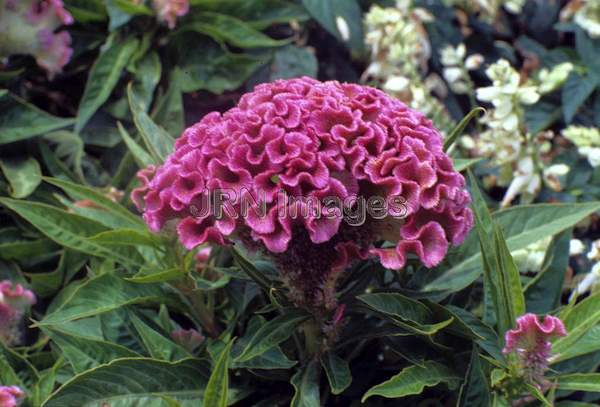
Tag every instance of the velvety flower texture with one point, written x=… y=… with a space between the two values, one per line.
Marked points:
x=530 y=340
x=28 y=27
x=13 y=303
x=11 y=396
x=313 y=140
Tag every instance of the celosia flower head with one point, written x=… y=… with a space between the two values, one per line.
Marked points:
x=13 y=303
x=11 y=396
x=530 y=340
x=169 y=10
x=304 y=138
x=28 y=27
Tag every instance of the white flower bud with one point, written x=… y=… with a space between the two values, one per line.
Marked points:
x=343 y=28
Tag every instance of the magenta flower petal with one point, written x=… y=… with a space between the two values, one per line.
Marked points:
x=11 y=396
x=531 y=334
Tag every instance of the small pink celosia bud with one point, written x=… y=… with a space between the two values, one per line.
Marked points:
x=169 y=10
x=13 y=304
x=28 y=27
x=190 y=339
x=530 y=340
x=11 y=396
x=202 y=257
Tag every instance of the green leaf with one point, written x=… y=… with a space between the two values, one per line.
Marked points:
x=147 y=75
x=541 y=116
x=272 y=333
x=338 y=372
x=20 y=120
x=103 y=77
x=251 y=270
x=144 y=277
x=589 y=342
x=257 y=13
x=405 y=312
x=273 y=358
x=133 y=381
x=85 y=353
x=330 y=13
x=543 y=293
x=81 y=192
x=461 y=164
x=578 y=321
x=589 y=382
x=103 y=294
x=522 y=225
x=510 y=278
x=217 y=71
x=142 y=158
x=490 y=342
x=306 y=386
x=157 y=344
x=413 y=380
x=231 y=30
x=85 y=11
x=64 y=228
x=292 y=61
x=158 y=141
x=23 y=175
x=168 y=111
x=216 y=393
x=398 y=306
x=500 y=274
x=575 y=92
x=460 y=127
x=475 y=392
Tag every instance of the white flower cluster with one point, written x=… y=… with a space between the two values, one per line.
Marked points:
x=587 y=16
x=505 y=141
x=456 y=68
x=552 y=79
x=591 y=281
x=506 y=95
x=530 y=258
x=587 y=140
x=400 y=50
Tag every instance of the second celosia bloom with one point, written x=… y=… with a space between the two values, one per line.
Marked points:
x=530 y=341
x=14 y=301
x=315 y=140
x=28 y=27
x=11 y=396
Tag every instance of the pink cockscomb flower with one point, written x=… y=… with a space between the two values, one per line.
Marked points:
x=530 y=341
x=11 y=396
x=29 y=27
x=13 y=304
x=292 y=144
x=168 y=10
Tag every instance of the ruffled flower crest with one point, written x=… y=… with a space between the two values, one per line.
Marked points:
x=305 y=139
x=530 y=341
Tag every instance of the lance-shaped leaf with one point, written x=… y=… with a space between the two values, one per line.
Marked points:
x=413 y=380
x=272 y=333
x=134 y=381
